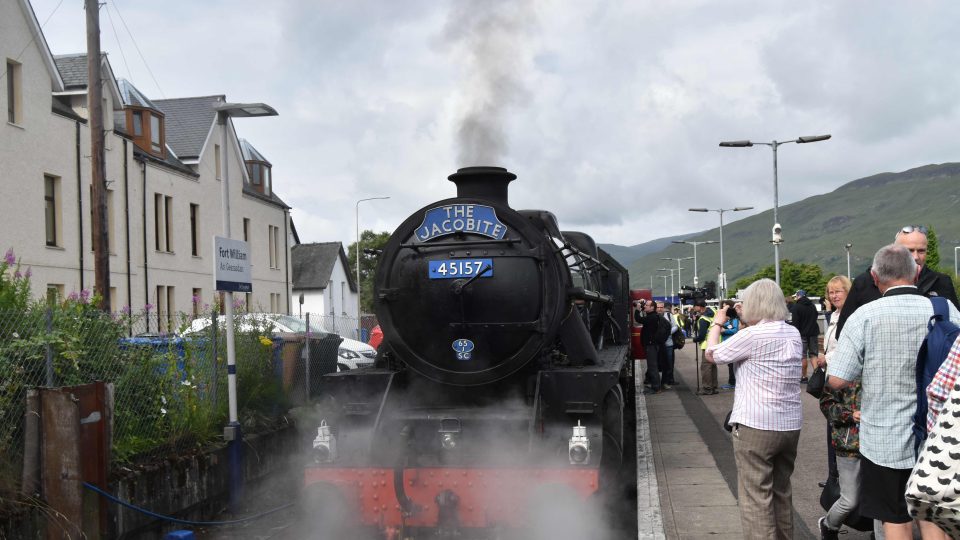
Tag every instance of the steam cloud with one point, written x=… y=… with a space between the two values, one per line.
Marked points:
x=491 y=35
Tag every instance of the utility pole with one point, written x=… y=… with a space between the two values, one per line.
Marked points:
x=101 y=255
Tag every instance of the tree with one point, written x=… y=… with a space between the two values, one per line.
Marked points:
x=793 y=276
x=371 y=244
x=933 y=250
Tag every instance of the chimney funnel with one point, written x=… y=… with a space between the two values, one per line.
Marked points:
x=488 y=183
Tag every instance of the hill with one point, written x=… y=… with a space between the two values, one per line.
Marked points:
x=626 y=255
x=866 y=212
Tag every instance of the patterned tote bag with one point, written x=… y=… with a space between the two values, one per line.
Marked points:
x=933 y=490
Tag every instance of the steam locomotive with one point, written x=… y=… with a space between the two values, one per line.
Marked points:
x=502 y=399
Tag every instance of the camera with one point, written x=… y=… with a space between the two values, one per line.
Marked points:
x=731 y=313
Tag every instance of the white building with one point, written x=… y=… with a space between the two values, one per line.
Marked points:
x=322 y=278
x=165 y=161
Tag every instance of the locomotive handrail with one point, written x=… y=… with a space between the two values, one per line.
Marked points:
x=580 y=293
x=417 y=246
x=574 y=251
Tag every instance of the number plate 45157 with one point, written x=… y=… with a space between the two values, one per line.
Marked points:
x=461 y=268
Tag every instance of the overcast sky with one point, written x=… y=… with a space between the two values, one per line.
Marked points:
x=608 y=111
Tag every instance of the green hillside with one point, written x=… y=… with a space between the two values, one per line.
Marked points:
x=865 y=212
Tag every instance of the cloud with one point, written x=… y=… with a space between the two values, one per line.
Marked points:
x=610 y=112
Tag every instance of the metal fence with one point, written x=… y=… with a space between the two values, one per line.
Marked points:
x=170 y=389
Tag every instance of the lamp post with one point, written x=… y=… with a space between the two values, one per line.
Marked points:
x=777 y=239
x=696 y=272
x=664 y=276
x=847 y=247
x=232 y=432
x=678 y=259
x=357 y=217
x=723 y=276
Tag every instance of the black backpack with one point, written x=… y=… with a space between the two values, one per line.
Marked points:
x=679 y=340
x=663 y=330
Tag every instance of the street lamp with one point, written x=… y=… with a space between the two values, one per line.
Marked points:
x=696 y=273
x=777 y=240
x=723 y=277
x=232 y=432
x=357 y=216
x=678 y=259
x=664 y=276
x=847 y=247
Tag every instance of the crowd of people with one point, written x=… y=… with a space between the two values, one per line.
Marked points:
x=875 y=326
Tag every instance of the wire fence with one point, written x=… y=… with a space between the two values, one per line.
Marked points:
x=170 y=388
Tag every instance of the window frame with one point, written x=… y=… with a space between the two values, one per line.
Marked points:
x=14 y=71
x=52 y=220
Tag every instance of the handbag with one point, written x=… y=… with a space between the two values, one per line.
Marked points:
x=679 y=340
x=816 y=382
x=830 y=494
x=933 y=493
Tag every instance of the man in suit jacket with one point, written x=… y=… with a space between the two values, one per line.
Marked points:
x=929 y=283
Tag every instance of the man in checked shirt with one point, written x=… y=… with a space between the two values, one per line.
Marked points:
x=879 y=346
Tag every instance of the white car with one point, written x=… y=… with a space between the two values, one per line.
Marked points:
x=352 y=354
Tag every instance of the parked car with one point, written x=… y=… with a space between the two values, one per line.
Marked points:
x=352 y=354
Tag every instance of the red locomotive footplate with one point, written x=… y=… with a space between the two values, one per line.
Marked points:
x=488 y=497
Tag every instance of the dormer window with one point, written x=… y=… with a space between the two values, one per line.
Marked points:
x=138 y=124
x=259 y=176
x=146 y=126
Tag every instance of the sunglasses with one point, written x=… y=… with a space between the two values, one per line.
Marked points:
x=914 y=228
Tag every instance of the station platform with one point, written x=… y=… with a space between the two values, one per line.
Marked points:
x=686 y=474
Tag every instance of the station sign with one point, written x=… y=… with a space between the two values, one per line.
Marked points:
x=231 y=265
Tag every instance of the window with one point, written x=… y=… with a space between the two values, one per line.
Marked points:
x=195 y=230
x=51 y=196
x=165 y=309
x=14 y=93
x=275 y=303
x=246 y=230
x=156 y=142
x=330 y=297
x=255 y=174
x=267 y=178
x=163 y=222
x=113 y=299
x=273 y=240
x=137 y=124
x=216 y=159
x=247 y=302
x=54 y=293
x=197 y=301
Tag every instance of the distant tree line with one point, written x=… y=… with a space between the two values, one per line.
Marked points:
x=810 y=277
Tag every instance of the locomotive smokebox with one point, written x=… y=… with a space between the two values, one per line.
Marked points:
x=488 y=183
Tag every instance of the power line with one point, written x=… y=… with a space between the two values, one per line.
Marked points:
x=119 y=45
x=134 y=40
x=34 y=38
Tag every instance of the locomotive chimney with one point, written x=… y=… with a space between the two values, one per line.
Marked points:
x=483 y=183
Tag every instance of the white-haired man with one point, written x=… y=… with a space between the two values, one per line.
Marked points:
x=879 y=347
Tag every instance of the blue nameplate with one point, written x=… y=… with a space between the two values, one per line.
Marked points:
x=460 y=268
x=466 y=218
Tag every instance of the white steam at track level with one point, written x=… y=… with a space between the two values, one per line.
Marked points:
x=491 y=36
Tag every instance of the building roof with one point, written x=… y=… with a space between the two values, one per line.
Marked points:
x=271 y=198
x=313 y=265
x=73 y=69
x=250 y=153
x=188 y=122
x=170 y=161
x=132 y=96
x=73 y=72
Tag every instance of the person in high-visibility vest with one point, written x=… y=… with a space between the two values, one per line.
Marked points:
x=708 y=370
